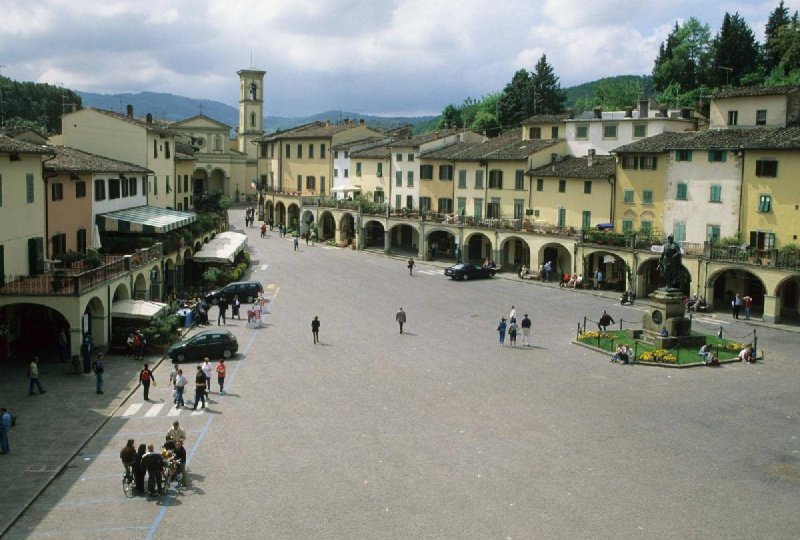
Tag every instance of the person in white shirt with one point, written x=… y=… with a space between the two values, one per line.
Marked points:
x=180 y=385
x=208 y=371
x=512 y=316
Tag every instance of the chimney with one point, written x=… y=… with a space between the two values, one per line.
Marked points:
x=553 y=160
x=590 y=157
x=628 y=112
x=644 y=108
x=686 y=113
x=663 y=110
x=129 y=110
x=598 y=112
x=149 y=119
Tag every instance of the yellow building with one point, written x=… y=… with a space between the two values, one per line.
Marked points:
x=544 y=126
x=299 y=160
x=488 y=180
x=185 y=164
x=126 y=138
x=573 y=192
x=371 y=170
x=22 y=208
x=770 y=218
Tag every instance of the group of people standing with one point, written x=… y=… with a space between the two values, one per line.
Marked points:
x=513 y=328
x=146 y=460
x=202 y=382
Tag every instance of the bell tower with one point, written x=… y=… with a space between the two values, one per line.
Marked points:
x=251 y=110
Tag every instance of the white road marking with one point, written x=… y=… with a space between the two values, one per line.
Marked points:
x=198 y=412
x=174 y=411
x=154 y=410
x=132 y=409
x=263 y=267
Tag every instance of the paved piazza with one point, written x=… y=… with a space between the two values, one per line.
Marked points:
x=439 y=432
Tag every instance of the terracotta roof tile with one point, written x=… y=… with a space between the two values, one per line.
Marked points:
x=14 y=146
x=70 y=160
x=578 y=167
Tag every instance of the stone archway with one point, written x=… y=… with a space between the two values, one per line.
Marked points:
x=327 y=226
x=140 y=287
x=788 y=294
x=441 y=245
x=280 y=214
x=306 y=221
x=121 y=293
x=477 y=248
x=32 y=329
x=726 y=283
x=170 y=277
x=156 y=283
x=515 y=252
x=347 y=227
x=269 y=212
x=374 y=234
x=559 y=256
x=404 y=238
x=216 y=182
x=293 y=217
x=93 y=321
x=199 y=182
x=616 y=273
x=188 y=269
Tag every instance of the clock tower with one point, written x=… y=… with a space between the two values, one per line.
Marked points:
x=251 y=110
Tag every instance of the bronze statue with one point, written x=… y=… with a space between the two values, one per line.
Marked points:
x=670 y=263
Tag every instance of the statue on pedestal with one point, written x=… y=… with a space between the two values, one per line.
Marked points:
x=670 y=263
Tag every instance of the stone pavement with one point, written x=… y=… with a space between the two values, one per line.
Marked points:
x=53 y=427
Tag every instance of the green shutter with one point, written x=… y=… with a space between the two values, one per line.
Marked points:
x=29 y=186
x=681 y=195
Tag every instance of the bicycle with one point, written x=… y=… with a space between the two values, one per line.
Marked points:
x=127 y=483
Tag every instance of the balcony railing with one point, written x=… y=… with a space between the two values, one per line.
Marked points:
x=144 y=256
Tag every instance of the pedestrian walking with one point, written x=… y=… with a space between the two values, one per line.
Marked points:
x=180 y=386
x=222 y=306
x=146 y=377
x=138 y=345
x=263 y=230
x=173 y=377
x=458 y=254
x=526 y=331
x=512 y=315
x=235 y=305
x=307 y=235
x=271 y=222
x=98 y=368
x=5 y=425
x=400 y=317
x=313 y=237
x=747 y=301
x=208 y=371
x=199 y=388
x=221 y=369
x=410 y=266
x=501 y=330
x=315 y=329
x=736 y=304
x=296 y=243
x=33 y=376
x=598 y=279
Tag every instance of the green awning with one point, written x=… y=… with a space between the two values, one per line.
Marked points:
x=144 y=219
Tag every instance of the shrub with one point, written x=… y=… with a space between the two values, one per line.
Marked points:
x=211 y=274
x=658 y=355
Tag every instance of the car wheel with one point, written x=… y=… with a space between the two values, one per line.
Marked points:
x=226 y=354
x=181 y=357
x=465 y=277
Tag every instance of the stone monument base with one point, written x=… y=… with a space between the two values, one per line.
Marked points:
x=667 y=311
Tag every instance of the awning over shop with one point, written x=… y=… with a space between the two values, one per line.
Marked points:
x=222 y=249
x=136 y=309
x=143 y=219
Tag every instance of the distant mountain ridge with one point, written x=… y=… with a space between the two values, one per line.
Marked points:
x=172 y=108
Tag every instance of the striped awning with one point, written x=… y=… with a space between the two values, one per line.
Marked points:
x=143 y=219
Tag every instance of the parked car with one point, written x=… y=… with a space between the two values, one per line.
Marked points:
x=211 y=343
x=246 y=290
x=469 y=271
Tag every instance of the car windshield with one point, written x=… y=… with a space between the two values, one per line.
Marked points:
x=459 y=266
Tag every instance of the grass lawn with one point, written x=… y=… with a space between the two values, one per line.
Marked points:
x=608 y=341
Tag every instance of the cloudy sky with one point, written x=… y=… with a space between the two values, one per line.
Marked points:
x=369 y=56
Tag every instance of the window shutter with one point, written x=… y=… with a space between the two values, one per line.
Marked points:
x=753 y=239
x=724 y=156
x=689 y=155
x=655 y=162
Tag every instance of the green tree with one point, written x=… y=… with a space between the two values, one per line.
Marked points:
x=40 y=103
x=516 y=103
x=684 y=57
x=451 y=118
x=736 y=54
x=775 y=45
x=616 y=93
x=546 y=97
